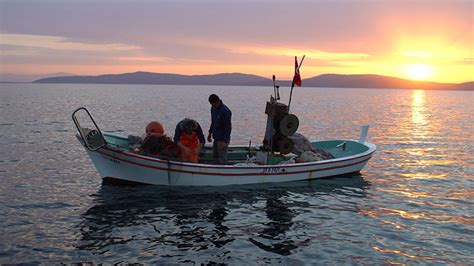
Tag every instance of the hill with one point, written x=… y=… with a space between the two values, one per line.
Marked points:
x=160 y=78
x=17 y=78
x=239 y=79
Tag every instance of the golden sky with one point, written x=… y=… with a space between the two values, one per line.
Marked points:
x=424 y=40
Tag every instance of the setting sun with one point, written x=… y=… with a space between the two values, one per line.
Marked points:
x=418 y=71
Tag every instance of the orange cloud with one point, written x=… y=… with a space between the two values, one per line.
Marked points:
x=60 y=43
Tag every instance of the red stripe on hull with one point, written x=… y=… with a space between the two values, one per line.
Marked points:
x=238 y=174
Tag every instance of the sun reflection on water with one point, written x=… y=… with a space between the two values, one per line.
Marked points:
x=407 y=192
x=410 y=192
x=418 y=106
x=425 y=216
x=421 y=140
x=418 y=110
x=404 y=254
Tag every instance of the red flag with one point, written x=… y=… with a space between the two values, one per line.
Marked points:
x=297 y=77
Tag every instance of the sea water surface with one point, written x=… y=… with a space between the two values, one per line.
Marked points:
x=413 y=203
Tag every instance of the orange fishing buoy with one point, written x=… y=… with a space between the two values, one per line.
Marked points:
x=155 y=127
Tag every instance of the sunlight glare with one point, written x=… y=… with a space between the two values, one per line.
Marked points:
x=418 y=71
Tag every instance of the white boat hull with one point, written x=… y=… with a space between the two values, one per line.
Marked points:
x=126 y=167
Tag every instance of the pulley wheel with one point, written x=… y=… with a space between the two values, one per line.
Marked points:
x=289 y=124
x=285 y=145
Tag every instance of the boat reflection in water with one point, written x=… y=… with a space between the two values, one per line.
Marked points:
x=280 y=221
x=206 y=223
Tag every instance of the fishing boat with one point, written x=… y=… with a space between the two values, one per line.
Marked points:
x=275 y=160
x=117 y=162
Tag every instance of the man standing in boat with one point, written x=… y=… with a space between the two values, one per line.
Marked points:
x=221 y=127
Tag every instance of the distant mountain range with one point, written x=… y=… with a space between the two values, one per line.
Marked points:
x=377 y=81
x=17 y=78
x=239 y=79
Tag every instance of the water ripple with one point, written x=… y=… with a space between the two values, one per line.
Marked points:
x=412 y=204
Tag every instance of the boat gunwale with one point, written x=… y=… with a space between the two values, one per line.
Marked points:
x=370 y=151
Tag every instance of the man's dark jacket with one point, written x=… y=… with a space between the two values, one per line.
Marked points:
x=221 y=125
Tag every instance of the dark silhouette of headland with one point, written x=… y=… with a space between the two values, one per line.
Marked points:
x=239 y=79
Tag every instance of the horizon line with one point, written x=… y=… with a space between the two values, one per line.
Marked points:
x=169 y=73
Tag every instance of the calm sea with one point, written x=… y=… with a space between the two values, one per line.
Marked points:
x=413 y=203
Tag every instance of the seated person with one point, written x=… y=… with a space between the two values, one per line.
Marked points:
x=189 y=137
x=160 y=146
x=155 y=143
x=154 y=127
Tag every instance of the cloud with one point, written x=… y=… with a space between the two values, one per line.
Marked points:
x=144 y=58
x=453 y=56
x=275 y=51
x=61 y=43
x=314 y=54
x=416 y=54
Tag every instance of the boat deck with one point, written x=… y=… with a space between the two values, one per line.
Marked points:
x=240 y=153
